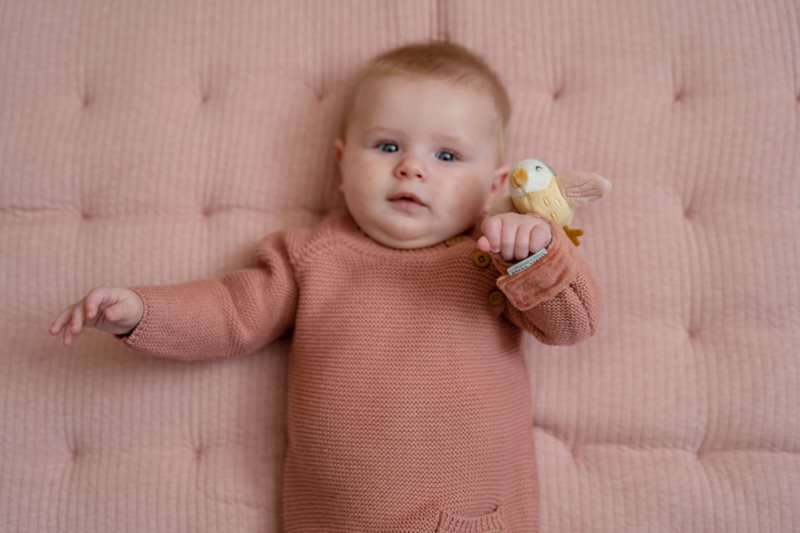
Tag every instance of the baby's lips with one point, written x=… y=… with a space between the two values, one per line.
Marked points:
x=407 y=196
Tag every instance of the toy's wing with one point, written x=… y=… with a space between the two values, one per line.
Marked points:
x=579 y=187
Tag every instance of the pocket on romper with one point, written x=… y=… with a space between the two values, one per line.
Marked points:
x=488 y=523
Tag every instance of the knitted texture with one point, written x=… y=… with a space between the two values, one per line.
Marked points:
x=408 y=398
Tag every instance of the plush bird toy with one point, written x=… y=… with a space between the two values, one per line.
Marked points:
x=534 y=187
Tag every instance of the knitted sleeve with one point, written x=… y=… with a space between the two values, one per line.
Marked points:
x=557 y=299
x=215 y=318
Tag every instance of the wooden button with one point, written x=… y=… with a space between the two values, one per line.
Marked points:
x=496 y=297
x=481 y=258
x=452 y=241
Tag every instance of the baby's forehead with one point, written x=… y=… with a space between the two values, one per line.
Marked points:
x=403 y=94
x=377 y=85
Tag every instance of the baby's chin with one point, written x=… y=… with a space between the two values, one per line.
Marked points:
x=409 y=236
x=398 y=231
x=403 y=240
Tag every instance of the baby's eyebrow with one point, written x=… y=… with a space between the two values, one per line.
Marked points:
x=450 y=140
x=382 y=131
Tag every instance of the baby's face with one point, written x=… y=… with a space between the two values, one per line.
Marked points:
x=419 y=160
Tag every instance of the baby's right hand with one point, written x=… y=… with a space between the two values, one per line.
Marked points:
x=115 y=311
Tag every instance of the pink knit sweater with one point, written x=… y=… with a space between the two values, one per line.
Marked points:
x=408 y=398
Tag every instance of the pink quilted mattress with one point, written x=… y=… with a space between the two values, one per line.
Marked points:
x=155 y=142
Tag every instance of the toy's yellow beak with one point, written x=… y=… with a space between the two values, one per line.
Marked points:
x=519 y=178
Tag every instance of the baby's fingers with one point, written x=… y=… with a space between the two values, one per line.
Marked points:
x=507 y=241
x=540 y=237
x=521 y=243
x=97 y=301
x=58 y=323
x=74 y=326
x=491 y=229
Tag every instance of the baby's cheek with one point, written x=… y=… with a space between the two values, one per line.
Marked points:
x=361 y=185
x=465 y=208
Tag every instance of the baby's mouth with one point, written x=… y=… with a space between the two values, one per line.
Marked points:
x=406 y=197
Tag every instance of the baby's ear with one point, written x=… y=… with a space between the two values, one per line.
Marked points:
x=500 y=179
x=498 y=200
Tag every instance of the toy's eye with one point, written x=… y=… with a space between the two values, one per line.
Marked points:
x=538 y=168
x=388 y=147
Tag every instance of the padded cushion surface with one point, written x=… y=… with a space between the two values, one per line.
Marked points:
x=155 y=142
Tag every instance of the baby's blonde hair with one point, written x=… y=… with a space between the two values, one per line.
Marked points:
x=440 y=60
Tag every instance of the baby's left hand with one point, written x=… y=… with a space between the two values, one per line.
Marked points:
x=514 y=235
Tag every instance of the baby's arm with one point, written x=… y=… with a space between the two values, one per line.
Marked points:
x=557 y=298
x=210 y=318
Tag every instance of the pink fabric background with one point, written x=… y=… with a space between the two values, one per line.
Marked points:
x=155 y=142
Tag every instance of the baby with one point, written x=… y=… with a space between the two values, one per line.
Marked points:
x=408 y=401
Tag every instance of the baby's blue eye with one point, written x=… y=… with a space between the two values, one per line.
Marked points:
x=444 y=155
x=388 y=147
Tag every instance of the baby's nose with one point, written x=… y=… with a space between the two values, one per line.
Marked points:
x=409 y=167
